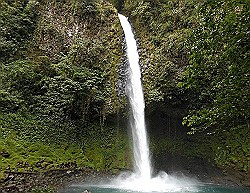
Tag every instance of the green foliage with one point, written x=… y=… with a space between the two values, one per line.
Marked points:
x=232 y=149
x=80 y=42
x=8 y=102
x=98 y=149
x=69 y=75
x=229 y=149
x=58 y=81
x=34 y=156
x=17 y=23
x=218 y=72
x=217 y=78
x=106 y=150
x=20 y=79
x=191 y=146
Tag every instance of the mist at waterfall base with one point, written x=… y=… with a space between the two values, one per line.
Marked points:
x=141 y=179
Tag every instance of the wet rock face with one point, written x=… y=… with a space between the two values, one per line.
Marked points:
x=240 y=177
x=199 y=169
x=246 y=181
x=193 y=167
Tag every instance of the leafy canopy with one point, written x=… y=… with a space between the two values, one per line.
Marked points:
x=218 y=73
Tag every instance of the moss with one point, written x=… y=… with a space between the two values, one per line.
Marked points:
x=2 y=176
x=99 y=152
x=187 y=146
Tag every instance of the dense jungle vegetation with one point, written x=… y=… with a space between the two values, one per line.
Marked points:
x=62 y=80
x=58 y=84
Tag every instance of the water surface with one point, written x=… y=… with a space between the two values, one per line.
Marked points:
x=200 y=189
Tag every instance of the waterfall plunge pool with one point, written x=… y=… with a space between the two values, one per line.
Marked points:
x=201 y=189
x=162 y=183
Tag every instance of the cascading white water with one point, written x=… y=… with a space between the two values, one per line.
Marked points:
x=136 y=99
x=141 y=180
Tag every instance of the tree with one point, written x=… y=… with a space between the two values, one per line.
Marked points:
x=218 y=72
x=17 y=24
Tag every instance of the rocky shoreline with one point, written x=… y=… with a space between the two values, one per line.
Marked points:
x=53 y=180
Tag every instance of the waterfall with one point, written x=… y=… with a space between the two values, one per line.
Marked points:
x=141 y=180
x=134 y=90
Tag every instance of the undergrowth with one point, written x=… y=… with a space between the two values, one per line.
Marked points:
x=99 y=148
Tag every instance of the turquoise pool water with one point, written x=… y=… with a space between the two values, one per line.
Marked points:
x=199 y=189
